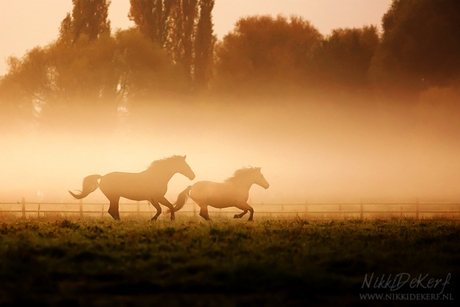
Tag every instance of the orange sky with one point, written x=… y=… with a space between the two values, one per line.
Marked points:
x=25 y=24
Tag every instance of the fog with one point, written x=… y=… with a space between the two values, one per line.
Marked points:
x=309 y=149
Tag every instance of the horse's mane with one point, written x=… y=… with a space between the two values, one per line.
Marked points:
x=164 y=162
x=242 y=172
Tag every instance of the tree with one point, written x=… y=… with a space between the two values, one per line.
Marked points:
x=204 y=45
x=22 y=87
x=144 y=69
x=420 y=45
x=81 y=69
x=89 y=17
x=345 y=57
x=184 y=29
x=263 y=50
x=151 y=17
x=182 y=36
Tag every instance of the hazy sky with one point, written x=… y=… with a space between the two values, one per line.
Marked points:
x=25 y=24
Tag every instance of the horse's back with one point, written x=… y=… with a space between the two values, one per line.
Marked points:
x=205 y=188
x=215 y=194
x=135 y=186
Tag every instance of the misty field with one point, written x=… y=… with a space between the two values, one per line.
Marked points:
x=91 y=262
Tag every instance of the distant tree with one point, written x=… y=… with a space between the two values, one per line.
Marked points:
x=204 y=45
x=420 y=45
x=22 y=88
x=151 y=17
x=144 y=69
x=184 y=29
x=89 y=17
x=263 y=50
x=63 y=77
x=82 y=72
x=345 y=57
x=182 y=35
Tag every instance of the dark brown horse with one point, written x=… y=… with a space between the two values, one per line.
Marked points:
x=233 y=192
x=150 y=185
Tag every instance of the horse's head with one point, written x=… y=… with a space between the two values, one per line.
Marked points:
x=184 y=168
x=259 y=179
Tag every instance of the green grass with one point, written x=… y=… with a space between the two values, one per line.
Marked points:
x=224 y=263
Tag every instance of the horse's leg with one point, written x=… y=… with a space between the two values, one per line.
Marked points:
x=113 y=209
x=204 y=212
x=245 y=207
x=238 y=216
x=166 y=203
x=157 y=206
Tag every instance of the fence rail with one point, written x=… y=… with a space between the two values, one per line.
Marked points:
x=313 y=211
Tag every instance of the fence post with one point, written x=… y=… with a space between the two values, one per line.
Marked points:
x=416 y=209
x=138 y=209
x=81 y=208
x=23 y=207
x=361 y=209
x=306 y=209
x=38 y=211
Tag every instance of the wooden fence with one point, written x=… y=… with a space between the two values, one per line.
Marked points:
x=309 y=211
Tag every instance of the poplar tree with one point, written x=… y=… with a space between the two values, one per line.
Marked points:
x=184 y=29
x=204 y=44
x=89 y=17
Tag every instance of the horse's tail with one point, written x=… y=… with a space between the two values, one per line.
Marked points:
x=90 y=184
x=182 y=198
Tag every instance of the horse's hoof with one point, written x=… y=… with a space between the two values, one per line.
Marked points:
x=236 y=216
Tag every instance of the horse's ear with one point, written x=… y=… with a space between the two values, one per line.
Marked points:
x=185 y=156
x=258 y=168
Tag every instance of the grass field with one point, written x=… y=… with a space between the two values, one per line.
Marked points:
x=91 y=262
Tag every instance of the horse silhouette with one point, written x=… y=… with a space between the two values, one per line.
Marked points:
x=150 y=185
x=233 y=192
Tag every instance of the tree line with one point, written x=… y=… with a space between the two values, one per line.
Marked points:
x=172 y=50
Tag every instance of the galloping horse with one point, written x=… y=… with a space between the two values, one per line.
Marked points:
x=233 y=192
x=150 y=185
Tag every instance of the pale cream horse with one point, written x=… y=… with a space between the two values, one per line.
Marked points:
x=150 y=185
x=233 y=192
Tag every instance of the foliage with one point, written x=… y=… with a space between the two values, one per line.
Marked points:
x=204 y=45
x=264 y=50
x=184 y=29
x=151 y=17
x=345 y=57
x=173 y=50
x=269 y=263
x=88 y=18
x=143 y=68
x=420 y=45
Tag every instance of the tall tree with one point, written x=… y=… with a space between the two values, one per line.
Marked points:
x=89 y=17
x=263 y=51
x=144 y=69
x=420 y=44
x=345 y=57
x=184 y=29
x=151 y=17
x=204 y=45
x=182 y=36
